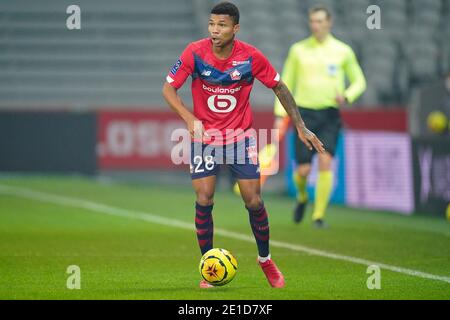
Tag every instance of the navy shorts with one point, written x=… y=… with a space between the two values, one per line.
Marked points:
x=241 y=157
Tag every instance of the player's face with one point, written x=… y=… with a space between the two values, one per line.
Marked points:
x=221 y=29
x=319 y=24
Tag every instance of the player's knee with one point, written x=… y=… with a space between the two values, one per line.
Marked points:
x=205 y=198
x=255 y=202
x=325 y=161
x=304 y=170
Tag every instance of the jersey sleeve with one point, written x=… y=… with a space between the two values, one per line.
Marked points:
x=182 y=68
x=263 y=70
x=355 y=76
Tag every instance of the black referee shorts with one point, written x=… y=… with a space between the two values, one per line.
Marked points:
x=326 y=124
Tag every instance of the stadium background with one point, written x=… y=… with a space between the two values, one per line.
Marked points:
x=88 y=102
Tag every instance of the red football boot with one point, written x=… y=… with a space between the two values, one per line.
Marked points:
x=205 y=285
x=273 y=274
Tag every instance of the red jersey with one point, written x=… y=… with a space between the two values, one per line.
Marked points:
x=221 y=88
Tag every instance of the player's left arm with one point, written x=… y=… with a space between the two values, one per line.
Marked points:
x=266 y=73
x=287 y=100
x=355 y=76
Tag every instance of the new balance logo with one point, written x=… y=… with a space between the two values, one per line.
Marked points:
x=206 y=73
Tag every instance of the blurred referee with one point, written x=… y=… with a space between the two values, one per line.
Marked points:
x=315 y=72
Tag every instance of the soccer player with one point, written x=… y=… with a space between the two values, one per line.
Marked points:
x=315 y=71
x=223 y=70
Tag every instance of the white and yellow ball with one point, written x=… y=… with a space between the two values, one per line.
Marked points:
x=218 y=267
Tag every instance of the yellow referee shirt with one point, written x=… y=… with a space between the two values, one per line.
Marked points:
x=315 y=73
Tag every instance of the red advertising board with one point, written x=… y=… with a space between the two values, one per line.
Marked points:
x=378 y=119
x=135 y=139
x=142 y=139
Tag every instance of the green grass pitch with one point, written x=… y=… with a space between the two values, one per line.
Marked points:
x=126 y=256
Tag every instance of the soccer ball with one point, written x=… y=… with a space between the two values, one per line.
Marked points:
x=218 y=266
x=437 y=122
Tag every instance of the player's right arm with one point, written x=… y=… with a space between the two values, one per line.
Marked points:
x=182 y=69
x=174 y=101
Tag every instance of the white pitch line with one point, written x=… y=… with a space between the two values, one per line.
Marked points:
x=140 y=215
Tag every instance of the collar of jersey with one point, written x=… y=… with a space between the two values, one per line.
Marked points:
x=316 y=43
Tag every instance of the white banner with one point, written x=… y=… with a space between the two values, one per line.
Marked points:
x=378 y=170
